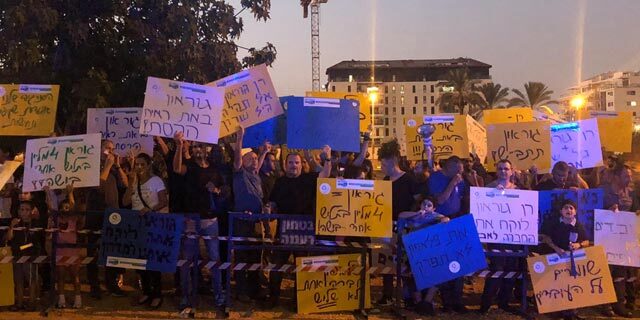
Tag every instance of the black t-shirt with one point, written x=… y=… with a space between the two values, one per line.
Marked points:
x=176 y=185
x=403 y=190
x=295 y=195
x=268 y=182
x=546 y=185
x=199 y=198
x=559 y=233
x=31 y=242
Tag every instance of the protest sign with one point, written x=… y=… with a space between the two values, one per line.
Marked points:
x=543 y=116
x=507 y=115
x=455 y=135
x=350 y=207
x=297 y=230
x=364 y=104
x=619 y=234
x=576 y=143
x=505 y=216
x=587 y=200
x=6 y=171
x=313 y=123
x=556 y=290
x=60 y=161
x=615 y=128
x=173 y=106
x=28 y=109
x=249 y=98
x=122 y=127
x=384 y=256
x=335 y=290
x=142 y=242
x=524 y=144
x=7 y=297
x=273 y=130
x=444 y=252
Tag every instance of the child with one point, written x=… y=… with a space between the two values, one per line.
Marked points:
x=68 y=224
x=25 y=243
x=427 y=216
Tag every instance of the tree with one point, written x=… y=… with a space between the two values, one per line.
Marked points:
x=489 y=96
x=102 y=51
x=536 y=95
x=463 y=93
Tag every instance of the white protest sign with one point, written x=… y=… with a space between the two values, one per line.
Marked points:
x=173 y=106
x=121 y=126
x=505 y=216
x=576 y=143
x=619 y=234
x=60 y=161
x=6 y=171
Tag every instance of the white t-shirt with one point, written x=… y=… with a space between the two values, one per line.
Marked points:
x=5 y=203
x=149 y=191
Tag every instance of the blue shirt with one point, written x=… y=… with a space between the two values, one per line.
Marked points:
x=438 y=182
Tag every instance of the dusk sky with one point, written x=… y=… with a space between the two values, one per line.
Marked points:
x=541 y=40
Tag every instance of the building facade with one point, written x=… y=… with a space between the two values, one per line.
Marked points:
x=611 y=91
x=404 y=87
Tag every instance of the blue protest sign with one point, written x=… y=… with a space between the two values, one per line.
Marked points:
x=444 y=252
x=315 y=122
x=273 y=130
x=143 y=242
x=587 y=200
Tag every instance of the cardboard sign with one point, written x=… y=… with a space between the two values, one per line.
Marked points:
x=543 y=116
x=385 y=257
x=444 y=252
x=507 y=115
x=142 y=242
x=173 y=106
x=249 y=98
x=576 y=143
x=273 y=130
x=505 y=216
x=619 y=234
x=28 y=109
x=363 y=101
x=455 y=135
x=6 y=171
x=615 y=128
x=350 y=207
x=7 y=294
x=60 y=161
x=556 y=290
x=122 y=127
x=587 y=200
x=524 y=144
x=336 y=290
x=313 y=123
x=297 y=230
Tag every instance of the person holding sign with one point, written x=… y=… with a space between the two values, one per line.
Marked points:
x=620 y=196
x=293 y=193
x=502 y=287
x=146 y=193
x=6 y=191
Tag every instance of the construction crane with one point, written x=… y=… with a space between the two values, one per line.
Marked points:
x=315 y=38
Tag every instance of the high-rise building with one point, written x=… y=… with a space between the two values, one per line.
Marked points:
x=405 y=87
x=611 y=91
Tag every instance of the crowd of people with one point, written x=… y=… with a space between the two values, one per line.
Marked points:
x=206 y=182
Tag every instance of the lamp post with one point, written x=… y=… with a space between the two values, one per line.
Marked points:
x=576 y=104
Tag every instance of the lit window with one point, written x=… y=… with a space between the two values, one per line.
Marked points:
x=447 y=89
x=402 y=101
x=350 y=78
x=634 y=103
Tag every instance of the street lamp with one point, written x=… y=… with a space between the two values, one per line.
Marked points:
x=372 y=92
x=576 y=103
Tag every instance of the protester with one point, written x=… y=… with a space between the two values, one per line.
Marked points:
x=147 y=193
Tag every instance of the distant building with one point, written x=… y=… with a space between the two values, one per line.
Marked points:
x=405 y=87
x=611 y=91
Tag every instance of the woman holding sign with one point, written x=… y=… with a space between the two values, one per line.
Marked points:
x=147 y=193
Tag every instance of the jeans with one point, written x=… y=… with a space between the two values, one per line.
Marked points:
x=189 y=272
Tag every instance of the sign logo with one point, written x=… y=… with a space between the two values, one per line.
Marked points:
x=115 y=218
x=538 y=267
x=454 y=267
x=325 y=188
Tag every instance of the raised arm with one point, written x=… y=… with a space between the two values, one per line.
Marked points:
x=326 y=167
x=364 y=146
x=164 y=149
x=178 y=166
x=237 y=158
x=266 y=148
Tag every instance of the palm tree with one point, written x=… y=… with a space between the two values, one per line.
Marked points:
x=490 y=96
x=537 y=95
x=463 y=91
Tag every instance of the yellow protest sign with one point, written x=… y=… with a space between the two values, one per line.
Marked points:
x=524 y=144
x=350 y=207
x=249 y=98
x=455 y=135
x=507 y=115
x=6 y=171
x=6 y=278
x=28 y=109
x=615 y=128
x=335 y=290
x=362 y=98
x=556 y=290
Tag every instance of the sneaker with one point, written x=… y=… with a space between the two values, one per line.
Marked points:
x=622 y=312
x=385 y=301
x=118 y=293
x=61 y=304
x=77 y=303
x=271 y=303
